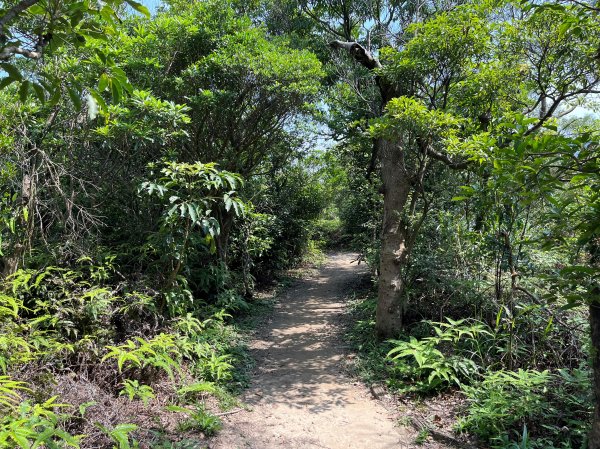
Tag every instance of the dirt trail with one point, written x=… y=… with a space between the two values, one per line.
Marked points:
x=300 y=396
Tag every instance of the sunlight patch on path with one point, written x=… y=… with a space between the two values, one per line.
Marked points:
x=300 y=396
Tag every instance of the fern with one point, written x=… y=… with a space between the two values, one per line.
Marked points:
x=10 y=391
x=140 y=353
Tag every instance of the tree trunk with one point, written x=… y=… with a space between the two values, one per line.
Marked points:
x=222 y=240
x=594 y=437
x=394 y=240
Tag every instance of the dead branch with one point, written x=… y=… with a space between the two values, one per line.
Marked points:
x=358 y=52
x=11 y=50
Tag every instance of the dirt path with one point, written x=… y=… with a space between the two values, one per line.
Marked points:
x=300 y=396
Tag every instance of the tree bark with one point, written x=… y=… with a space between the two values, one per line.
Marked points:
x=395 y=233
x=222 y=239
x=395 y=246
x=594 y=435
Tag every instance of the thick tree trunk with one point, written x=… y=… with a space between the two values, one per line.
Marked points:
x=394 y=240
x=594 y=437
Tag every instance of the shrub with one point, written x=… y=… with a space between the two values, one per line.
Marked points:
x=31 y=425
x=440 y=360
x=554 y=407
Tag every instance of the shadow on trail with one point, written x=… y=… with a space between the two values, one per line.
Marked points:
x=300 y=396
x=303 y=350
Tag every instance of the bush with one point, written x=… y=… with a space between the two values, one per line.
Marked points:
x=28 y=425
x=554 y=407
x=443 y=359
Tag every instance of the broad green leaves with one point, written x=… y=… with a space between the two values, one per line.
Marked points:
x=243 y=87
x=159 y=352
x=47 y=29
x=409 y=117
x=120 y=434
x=193 y=191
x=434 y=368
x=193 y=196
x=557 y=174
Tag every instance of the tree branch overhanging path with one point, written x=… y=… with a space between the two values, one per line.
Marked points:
x=402 y=173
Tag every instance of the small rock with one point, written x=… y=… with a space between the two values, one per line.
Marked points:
x=377 y=391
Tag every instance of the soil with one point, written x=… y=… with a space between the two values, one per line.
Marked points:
x=301 y=395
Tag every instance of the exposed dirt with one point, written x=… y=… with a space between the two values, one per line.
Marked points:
x=300 y=395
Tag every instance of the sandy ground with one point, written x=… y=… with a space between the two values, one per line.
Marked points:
x=300 y=396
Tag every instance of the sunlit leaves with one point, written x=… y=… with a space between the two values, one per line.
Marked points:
x=10 y=392
x=120 y=434
x=408 y=116
x=192 y=195
x=51 y=28
x=159 y=352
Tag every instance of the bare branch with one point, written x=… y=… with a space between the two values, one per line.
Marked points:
x=8 y=52
x=455 y=165
x=585 y=5
x=321 y=22
x=548 y=113
x=567 y=111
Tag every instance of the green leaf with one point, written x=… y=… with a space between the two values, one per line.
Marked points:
x=12 y=71
x=103 y=82
x=75 y=98
x=419 y=358
x=228 y=202
x=176 y=408
x=7 y=81
x=193 y=214
x=199 y=387
x=116 y=90
x=139 y=7
x=571 y=305
x=40 y=92
x=24 y=91
x=101 y=55
x=55 y=96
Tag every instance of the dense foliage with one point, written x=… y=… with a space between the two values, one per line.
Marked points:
x=157 y=169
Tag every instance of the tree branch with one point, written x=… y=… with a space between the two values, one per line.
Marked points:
x=455 y=165
x=8 y=52
x=324 y=24
x=547 y=114
x=585 y=5
x=358 y=52
x=13 y=12
x=566 y=111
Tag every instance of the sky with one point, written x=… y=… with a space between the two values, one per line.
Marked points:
x=151 y=4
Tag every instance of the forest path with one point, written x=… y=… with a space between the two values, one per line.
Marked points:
x=300 y=396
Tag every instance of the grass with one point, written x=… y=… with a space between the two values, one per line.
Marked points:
x=245 y=327
x=370 y=364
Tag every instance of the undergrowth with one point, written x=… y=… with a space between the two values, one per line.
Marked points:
x=73 y=375
x=526 y=405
